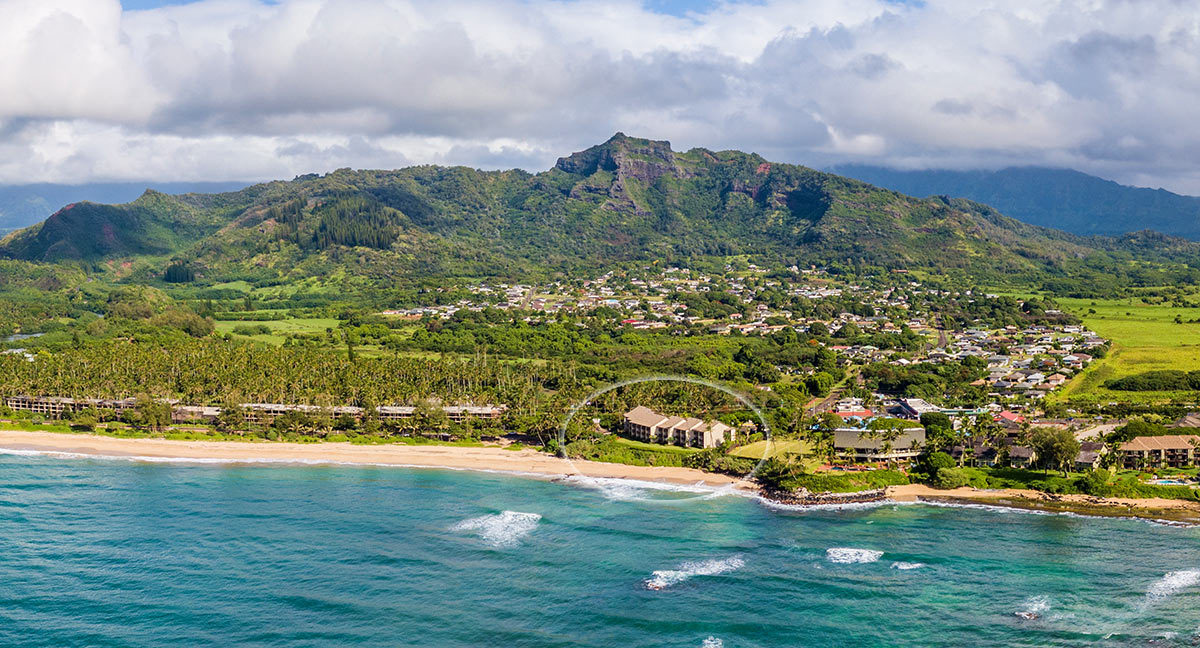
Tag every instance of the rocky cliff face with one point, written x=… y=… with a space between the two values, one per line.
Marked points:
x=610 y=168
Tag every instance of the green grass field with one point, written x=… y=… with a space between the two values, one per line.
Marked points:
x=654 y=447
x=755 y=450
x=281 y=328
x=1145 y=338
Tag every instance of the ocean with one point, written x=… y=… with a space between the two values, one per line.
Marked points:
x=110 y=552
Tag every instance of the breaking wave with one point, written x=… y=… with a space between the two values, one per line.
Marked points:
x=632 y=490
x=905 y=566
x=846 y=555
x=1171 y=584
x=712 y=642
x=505 y=529
x=668 y=577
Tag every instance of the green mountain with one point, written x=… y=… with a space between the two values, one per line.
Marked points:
x=627 y=199
x=154 y=224
x=25 y=205
x=1059 y=198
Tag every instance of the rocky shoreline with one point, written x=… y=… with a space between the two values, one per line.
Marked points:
x=1163 y=511
x=806 y=498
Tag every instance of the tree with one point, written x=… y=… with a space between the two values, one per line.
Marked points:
x=85 y=421
x=936 y=419
x=231 y=418
x=152 y=414
x=429 y=417
x=931 y=463
x=779 y=474
x=1056 y=448
x=819 y=383
x=179 y=272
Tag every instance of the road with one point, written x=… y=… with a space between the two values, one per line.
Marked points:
x=817 y=406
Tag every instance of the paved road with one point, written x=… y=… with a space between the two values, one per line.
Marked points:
x=1102 y=430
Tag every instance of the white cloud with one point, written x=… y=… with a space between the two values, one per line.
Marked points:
x=240 y=89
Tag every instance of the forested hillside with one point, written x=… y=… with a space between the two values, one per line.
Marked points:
x=26 y=205
x=628 y=199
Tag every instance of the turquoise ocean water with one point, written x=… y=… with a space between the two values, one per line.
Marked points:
x=100 y=552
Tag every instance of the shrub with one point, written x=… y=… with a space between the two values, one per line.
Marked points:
x=1094 y=483
x=931 y=463
x=950 y=478
x=252 y=329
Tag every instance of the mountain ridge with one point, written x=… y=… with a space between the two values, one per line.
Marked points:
x=29 y=204
x=626 y=199
x=1051 y=197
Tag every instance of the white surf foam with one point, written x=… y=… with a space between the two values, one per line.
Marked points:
x=906 y=566
x=1172 y=583
x=1035 y=606
x=848 y=506
x=505 y=529
x=712 y=642
x=634 y=490
x=1070 y=514
x=847 y=555
x=665 y=578
x=273 y=461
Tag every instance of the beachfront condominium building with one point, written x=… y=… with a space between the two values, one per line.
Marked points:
x=644 y=424
x=1171 y=451
x=879 y=445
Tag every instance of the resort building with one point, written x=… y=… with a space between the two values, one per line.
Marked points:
x=1171 y=451
x=56 y=406
x=870 y=445
x=644 y=424
x=260 y=413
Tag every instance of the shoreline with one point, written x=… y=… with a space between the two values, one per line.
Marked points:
x=484 y=459
x=532 y=463
x=1156 y=509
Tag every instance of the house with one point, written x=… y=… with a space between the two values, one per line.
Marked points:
x=1189 y=420
x=915 y=407
x=868 y=445
x=644 y=424
x=1089 y=455
x=993 y=452
x=1170 y=451
x=1010 y=420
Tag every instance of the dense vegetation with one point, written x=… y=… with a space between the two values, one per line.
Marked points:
x=627 y=199
x=1165 y=380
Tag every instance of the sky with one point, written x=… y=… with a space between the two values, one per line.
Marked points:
x=112 y=90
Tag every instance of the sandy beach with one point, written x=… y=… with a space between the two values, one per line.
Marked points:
x=432 y=456
x=532 y=462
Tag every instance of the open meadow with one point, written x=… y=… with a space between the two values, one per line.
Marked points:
x=279 y=329
x=1145 y=337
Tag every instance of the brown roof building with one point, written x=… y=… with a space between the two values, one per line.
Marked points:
x=1169 y=451
x=644 y=424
